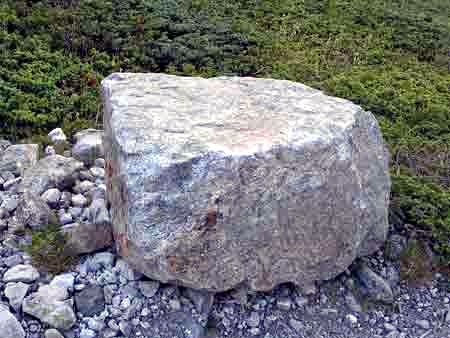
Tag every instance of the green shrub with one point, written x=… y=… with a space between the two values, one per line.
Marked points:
x=49 y=250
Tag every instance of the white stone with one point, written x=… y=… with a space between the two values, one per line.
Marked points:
x=57 y=136
x=21 y=273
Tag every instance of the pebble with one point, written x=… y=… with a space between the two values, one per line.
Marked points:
x=353 y=320
x=423 y=324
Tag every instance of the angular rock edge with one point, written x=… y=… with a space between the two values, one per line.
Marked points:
x=209 y=197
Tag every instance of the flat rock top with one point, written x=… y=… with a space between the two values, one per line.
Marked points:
x=182 y=117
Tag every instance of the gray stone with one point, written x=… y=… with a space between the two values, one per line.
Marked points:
x=34 y=212
x=99 y=162
x=66 y=198
x=10 y=204
x=75 y=211
x=51 y=172
x=4 y=144
x=79 y=200
x=8 y=185
x=97 y=172
x=85 y=186
x=57 y=136
x=21 y=273
x=3 y=222
x=3 y=213
x=49 y=151
x=65 y=280
x=213 y=181
x=96 y=325
x=90 y=301
x=53 y=333
x=284 y=304
x=50 y=305
x=7 y=175
x=373 y=285
x=16 y=292
x=423 y=324
x=13 y=260
x=9 y=325
x=148 y=288
x=125 y=328
x=202 y=300
x=86 y=237
x=98 y=214
x=88 y=146
x=87 y=333
x=18 y=157
x=51 y=196
x=127 y=271
x=65 y=218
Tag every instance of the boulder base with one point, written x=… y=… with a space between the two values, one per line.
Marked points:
x=229 y=181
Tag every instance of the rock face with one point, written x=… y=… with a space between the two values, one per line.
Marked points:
x=226 y=181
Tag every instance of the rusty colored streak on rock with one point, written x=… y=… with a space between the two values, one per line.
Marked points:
x=122 y=242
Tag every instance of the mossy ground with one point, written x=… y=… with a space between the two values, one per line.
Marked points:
x=391 y=57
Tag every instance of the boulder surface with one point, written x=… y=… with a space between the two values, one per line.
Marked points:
x=215 y=183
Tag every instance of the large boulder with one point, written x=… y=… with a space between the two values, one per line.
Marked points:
x=88 y=146
x=16 y=158
x=228 y=181
x=53 y=171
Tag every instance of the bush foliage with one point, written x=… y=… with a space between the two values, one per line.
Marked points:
x=391 y=57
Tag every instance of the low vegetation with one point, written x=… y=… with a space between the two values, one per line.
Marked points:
x=49 y=250
x=391 y=57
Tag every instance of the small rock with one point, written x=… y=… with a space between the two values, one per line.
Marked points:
x=253 y=320
x=75 y=211
x=125 y=328
x=79 y=200
x=49 y=151
x=351 y=319
x=284 y=304
x=175 y=304
x=87 y=333
x=352 y=303
x=389 y=327
x=98 y=213
x=296 y=325
x=53 y=333
x=373 y=285
x=85 y=186
x=99 y=162
x=11 y=183
x=13 y=260
x=88 y=146
x=90 y=300
x=21 y=273
x=127 y=271
x=65 y=218
x=202 y=300
x=51 y=197
x=65 y=280
x=17 y=158
x=16 y=292
x=10 y=204
x=57 y=136
x=96 y=325
x=97 y=172
x=422 y=323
